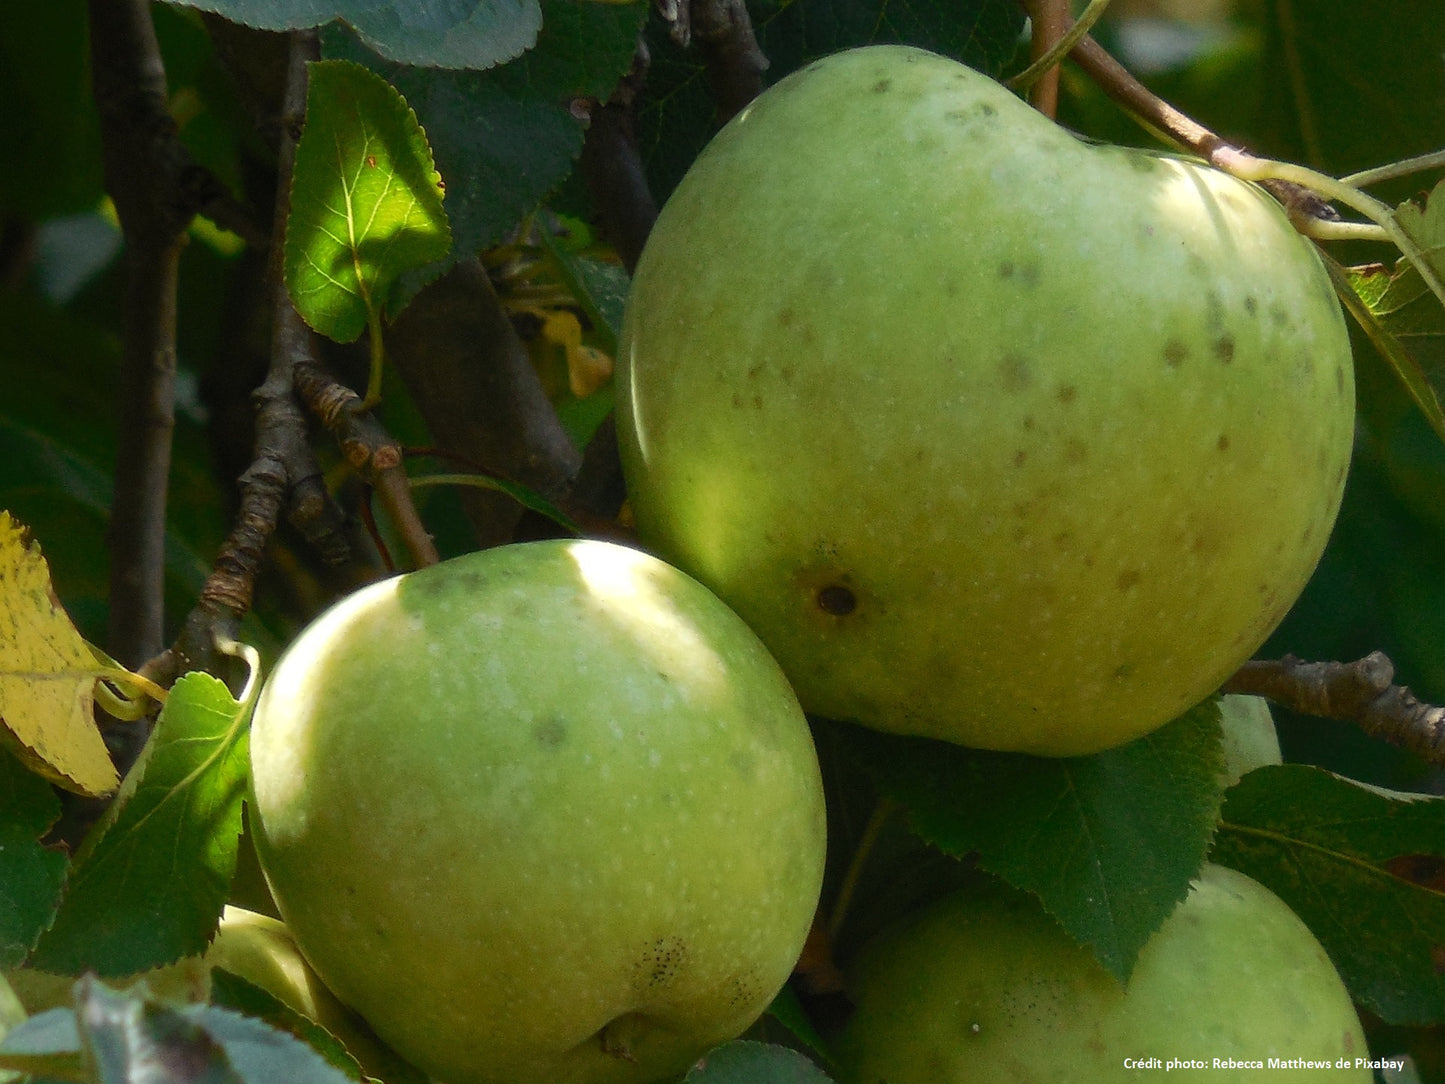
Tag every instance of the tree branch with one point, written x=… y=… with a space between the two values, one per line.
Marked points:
x=611 y=166
x=1360 y=692
x=470 y=376
x=723 y=31
x=146 y=176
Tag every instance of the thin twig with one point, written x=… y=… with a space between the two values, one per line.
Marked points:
x=1050 y=24
x=1360 y=692
x=370 y=450
x=1049 y=60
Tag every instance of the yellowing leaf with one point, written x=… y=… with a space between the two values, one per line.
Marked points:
x=47 y=674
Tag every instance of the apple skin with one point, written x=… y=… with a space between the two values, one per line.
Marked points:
x=549 y=812
x=985 y=986
x=1250 y=739
x=991 y=435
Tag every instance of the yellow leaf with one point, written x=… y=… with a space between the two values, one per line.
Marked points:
x=47 y=675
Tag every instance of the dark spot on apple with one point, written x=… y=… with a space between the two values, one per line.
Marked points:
x=1030 y=424
x=786 y=317
x=1020 y=458
x=1213 y=310
x=1014 y=370
x=1223 y=442
x=550 y=732
x=1141 y=163
x=1279 y=314
x=1006 y=269
x=755 y=370
x=837 y=600
x=1174 y=353
x=882 y=86
x=1075 y=451
x=1251 y=306
x=1124 y=671
x=660 y=963
x=1224 y=349
x=1340 y=381
x=1068 y=393
x=1128 y=579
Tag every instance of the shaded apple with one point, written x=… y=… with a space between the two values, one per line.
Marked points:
x=985 y=986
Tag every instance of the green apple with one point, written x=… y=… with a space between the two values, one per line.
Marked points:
x=990 y=434
x=545 y=813
x=985 y=986
x=1250 y=739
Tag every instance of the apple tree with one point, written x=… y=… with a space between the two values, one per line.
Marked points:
x=1045 y=450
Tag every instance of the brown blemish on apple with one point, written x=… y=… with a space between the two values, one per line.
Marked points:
x=1128 y=579
x=1174 y=353
x=1223 y=442
x=882 y=86
x=1224 y=349
x=837 y=600
x=550 y=732
x=1020 y=458
x=1068 y=393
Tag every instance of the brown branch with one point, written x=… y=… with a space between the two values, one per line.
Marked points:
x=1360 y=692
x=145 y=174
x=370 y=450
x=1049 y=19
x=611 y=165
x=735 y=65
x=283 y=473
x=471 y=378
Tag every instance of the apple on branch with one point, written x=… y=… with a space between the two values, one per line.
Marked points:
x=544 y=814
x=992 y=435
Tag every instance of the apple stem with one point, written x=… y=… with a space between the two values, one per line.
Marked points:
x=883 y=809
x=1116 y=81
x=1360 y=692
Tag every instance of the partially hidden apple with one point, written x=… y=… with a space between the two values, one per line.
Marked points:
x=1250 y=739
x=991 y=434
x=984 y=986
x=261 y=950
x=545 y=813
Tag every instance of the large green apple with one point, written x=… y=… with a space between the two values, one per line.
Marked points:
x=984 y=986
x=545 y=813
x=990 y=434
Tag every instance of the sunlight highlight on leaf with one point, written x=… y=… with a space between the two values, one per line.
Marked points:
x=170 y=834
x=366 y=201
x=47 y=674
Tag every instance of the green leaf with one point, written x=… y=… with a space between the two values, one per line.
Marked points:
x=745 y=1062
x=259 y=1053
x=31 y=875
x=171 y=834
x=504 y=138
x=599 y=287
x=366 y=202
x=1376 y=307
x=450 y=34
x=788 y=1010
x=676 y=116
x=1108 y=842
x=1339 y=853
x=231 y=991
